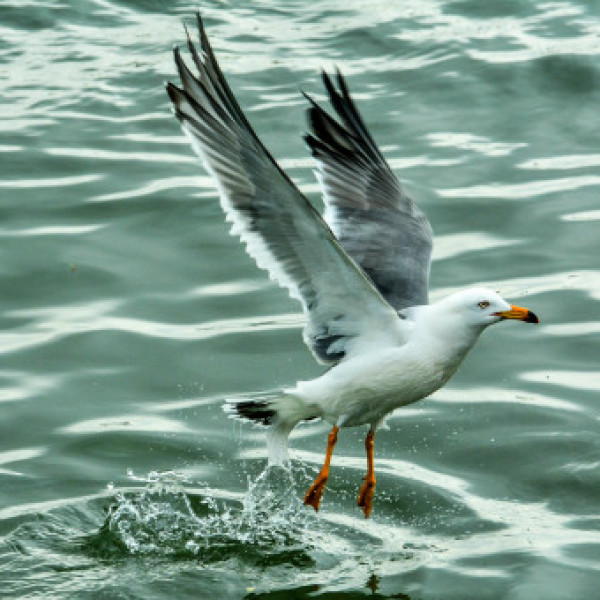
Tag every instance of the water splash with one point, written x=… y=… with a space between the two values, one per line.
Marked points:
x=271 y=510
x=268 y=526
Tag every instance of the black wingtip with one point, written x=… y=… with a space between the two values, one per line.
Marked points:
x=174 y=92
x=187 y=33
x=179 y=62
x=312 y=117
x=341 y=81
x=204 y=43
x=313 y=103
x=311 y=142
x=325 y=78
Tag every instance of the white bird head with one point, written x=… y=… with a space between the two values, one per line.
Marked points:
x=480 y=307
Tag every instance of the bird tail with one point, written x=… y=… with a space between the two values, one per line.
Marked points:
x=260 y=407
x=279 y=410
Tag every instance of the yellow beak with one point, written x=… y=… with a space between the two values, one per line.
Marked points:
x=517 y=312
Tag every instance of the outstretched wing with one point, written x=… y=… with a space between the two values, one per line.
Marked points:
x=281 y=229
x=373 y=218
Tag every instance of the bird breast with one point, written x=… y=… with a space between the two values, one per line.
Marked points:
x=365 y=389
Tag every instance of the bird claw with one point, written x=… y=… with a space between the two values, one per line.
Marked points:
x=365 y=497
x=315 y=493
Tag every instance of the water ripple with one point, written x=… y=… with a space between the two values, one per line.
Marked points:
x=127 y=312
x=54 y=182
x=124 y=422
x=566 y=162
x=520 y=191
x=159 y=157
x=474 y=143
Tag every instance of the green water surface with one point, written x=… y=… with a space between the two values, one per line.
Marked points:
x=127 y=312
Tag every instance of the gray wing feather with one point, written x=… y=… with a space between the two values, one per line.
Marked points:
x=281 y=229
x=372 y=216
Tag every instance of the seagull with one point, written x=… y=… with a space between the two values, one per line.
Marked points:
x=360 y=272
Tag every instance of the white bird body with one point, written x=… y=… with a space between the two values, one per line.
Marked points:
x=361 y=274
x=363 y=389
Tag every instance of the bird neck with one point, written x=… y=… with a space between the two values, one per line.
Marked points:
x=447 y=334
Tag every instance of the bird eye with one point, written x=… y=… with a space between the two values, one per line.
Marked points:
x=483 y=304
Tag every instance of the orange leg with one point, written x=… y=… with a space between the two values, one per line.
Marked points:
x=315 y=492
x=365 y=496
